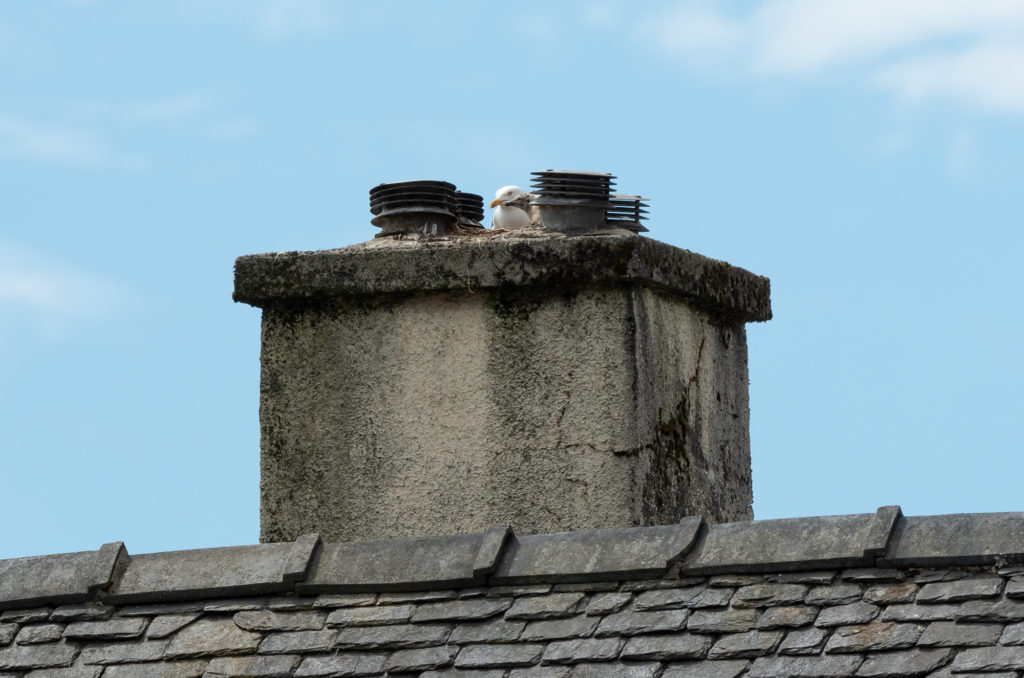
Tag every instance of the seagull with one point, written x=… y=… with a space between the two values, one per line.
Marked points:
x=511 y=202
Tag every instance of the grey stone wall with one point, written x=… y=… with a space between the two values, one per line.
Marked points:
x=554 y=383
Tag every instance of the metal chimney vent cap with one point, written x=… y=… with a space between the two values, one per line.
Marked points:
x=423 y=207
x=627 y=211
x=570 y=201
x=470 y=209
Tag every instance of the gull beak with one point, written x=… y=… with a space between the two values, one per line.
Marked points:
x=495 y=202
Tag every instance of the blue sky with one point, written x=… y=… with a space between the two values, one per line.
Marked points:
x=865 y=155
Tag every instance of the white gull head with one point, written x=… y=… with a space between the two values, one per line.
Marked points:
x=511 y=202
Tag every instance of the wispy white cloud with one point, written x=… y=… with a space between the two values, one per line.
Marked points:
x=693 y=33
x=171 y=108
x=988 y=77
x=807 y=35
x=60 y=145
x=916 y=49
x=601 y=14
x=287 y=18
x=50 y=297
x=192 y=112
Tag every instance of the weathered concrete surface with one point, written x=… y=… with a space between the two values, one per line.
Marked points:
x=60 y=578
x=963 y=539
x=523 y=259
x=205 y=573
x=794 y=543
x=554 y=384
x=597 y=555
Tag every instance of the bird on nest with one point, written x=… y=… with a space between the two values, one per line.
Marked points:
x=511 y=202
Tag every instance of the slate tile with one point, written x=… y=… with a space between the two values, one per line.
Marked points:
x=160 y=608
x=35 y=634
x=951 y=634
x=947 y=672
x=1014 y=587
x=81 y=612
x=421 y=659
x=415 y=597
x=1013 y=634
x=393 y=637
x=166 y=624
x=370 y=616
x=804 y=641
x=825 y=666
x=111 y=629
x=265 y=666
x=268 y=620
x=345 y=599
x=288 y=642
x=841 y=615
x=872 y=637
x=545 y=607
x=652 y=584
x=817 y=578
x=615 y=670
x=913 y=612
x=769 y=595
x=931 y=575
x=887 y=594
x=540 y=672
x=902 y=663
x=872 y=574
x=630 y=623
x=549 y=629
x=460 y=610
x=582 y=650
x=667 y=647
x=494 y=656
x=229 y=605
x=492 y=631
x=189 y=669
x=291 y=603
x=69 y=672
x=745 y=645
x=963 y=589
x=211 y=637
x=606 y=603
x=124 y=652
x=722 y=621
x=1001 y=610
x=31 y=616
x=988 y=659
x=344 y=664
x=24 y=657
x=477 y=592
x=271 y=666
x=586 y=587
x=518 y=590
x=834 y=594
x=734 y=580
x=690 y=597
x=468 y=673
x=724 y=668
x=7 y=633
x=786 y=617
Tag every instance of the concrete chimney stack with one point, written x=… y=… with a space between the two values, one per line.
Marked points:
x=548 y=381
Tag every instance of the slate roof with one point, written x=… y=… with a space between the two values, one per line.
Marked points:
x=869 y=595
